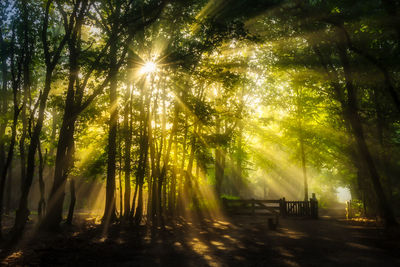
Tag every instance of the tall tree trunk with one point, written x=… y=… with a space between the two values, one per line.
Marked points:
x=42 y=203
x=128 y=141
x=16 y=78
x=239 y=163
x=181 y=193
x=219 y=169
x=172 y=192
x=167 y=153
x=64 y=154
x=384 y=158
x=109 y=210
x=63 y=164
x=143 y=153
x=358 y=131
x=131 y=212
x=26 y=89
x=9 y=156
x=119 y=138
x=9 y=189
x=303 y=165
x=152 y=203
x=3 y=100
x=189 y=170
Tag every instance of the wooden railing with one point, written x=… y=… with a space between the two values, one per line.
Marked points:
x=272 y=207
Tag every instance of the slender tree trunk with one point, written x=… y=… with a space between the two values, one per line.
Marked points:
x=219 y=169
x=131 y=212
x=9 y=189
x=303 y=165
x=181 y=193
x=172 y=196
x=119 y=151
x=239 y=163
x=42 y=203
x=143 y=154
x=128 y=142
x=3 y=101
x=26 y=89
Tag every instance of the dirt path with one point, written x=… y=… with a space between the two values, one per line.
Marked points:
x=243 y=241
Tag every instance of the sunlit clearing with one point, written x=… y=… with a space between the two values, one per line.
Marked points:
x=343 y=194
x=148 y=67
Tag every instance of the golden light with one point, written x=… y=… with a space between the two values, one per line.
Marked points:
x=148 y=67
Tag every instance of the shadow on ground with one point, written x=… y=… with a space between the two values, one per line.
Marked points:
x=239 y=241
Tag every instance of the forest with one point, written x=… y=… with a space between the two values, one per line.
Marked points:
x=139 y=116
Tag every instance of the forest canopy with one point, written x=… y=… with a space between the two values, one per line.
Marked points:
x=146 y=110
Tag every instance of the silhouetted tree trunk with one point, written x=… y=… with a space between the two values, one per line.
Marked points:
x=10 y=155
x=182 y=175
x=9 y=189
x=28 y=50
x=42 y=202
x=16 y=71
x=133 y=206
x=109 y=210
x=167 y=153
x=72 y=203
x=4 y=100
x=358 y=131
x=128 y=142
x=121 y=207
x=219 y=161
x=383 y=156
x=301 y=138
x=65 y=149
x=143 y=153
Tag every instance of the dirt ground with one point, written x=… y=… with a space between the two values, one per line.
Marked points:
x=236 y=241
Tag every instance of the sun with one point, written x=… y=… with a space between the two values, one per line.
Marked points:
x=148 y=67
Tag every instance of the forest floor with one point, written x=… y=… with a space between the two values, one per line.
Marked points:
x=237 y=241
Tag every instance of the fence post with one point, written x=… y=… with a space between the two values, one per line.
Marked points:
x=314 y=206
x=283 y=207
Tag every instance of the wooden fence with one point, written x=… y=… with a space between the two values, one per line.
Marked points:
x=272 y=207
